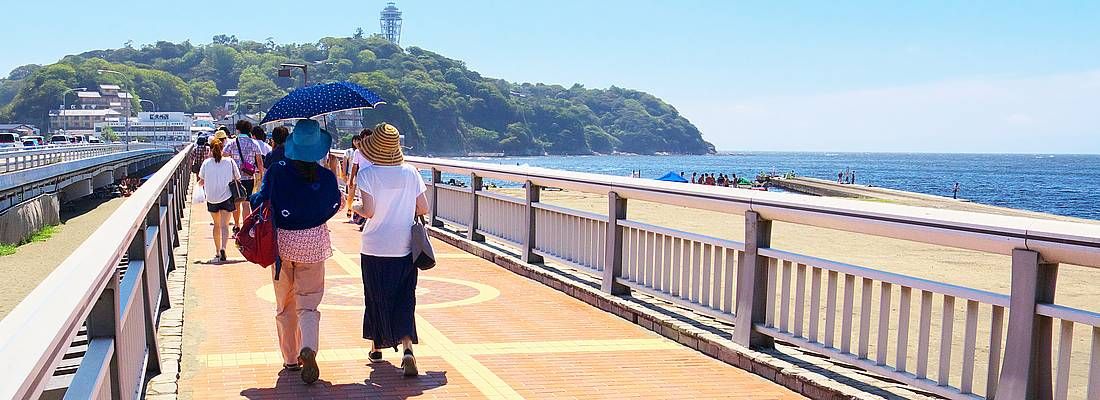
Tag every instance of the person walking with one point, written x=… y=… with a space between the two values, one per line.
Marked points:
x=303 y=196
x=278 y=140
x=215 y=174
x=199 y=154
x=244 y=151
x=391 y=195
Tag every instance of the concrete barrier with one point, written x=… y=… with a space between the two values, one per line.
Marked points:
x=18 y=223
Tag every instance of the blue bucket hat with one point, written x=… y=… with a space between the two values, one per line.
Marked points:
x=308 y=142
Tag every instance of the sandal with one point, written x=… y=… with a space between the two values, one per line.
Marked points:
x=292 y=367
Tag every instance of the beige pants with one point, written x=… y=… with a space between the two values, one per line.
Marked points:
x=298 y=292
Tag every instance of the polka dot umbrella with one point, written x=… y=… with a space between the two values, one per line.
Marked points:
x=316 y=100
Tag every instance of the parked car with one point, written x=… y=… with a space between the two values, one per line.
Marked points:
x=59 y=139
x=76 y=139
x=10 y=140
x=94 y=140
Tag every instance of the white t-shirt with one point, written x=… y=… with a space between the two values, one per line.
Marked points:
x=264 y=148
x=358 y=159
x=394 y=190
x=216 y=177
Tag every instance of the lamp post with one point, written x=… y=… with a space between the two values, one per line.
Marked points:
x=64 y=106
x=154 y=110
x=128 y=97
x=285 y=72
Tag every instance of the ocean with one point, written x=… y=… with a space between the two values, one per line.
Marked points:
x=1058 y=184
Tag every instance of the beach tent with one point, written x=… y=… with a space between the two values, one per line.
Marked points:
x=672 y=177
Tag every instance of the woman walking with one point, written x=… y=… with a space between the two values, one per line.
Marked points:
x=303 y=196
x=246 y=153
x=215 y=174
x=392 y=194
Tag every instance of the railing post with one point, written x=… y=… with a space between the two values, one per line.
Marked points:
x=533 y=193
x=1026 y=372
x=616 y=210
x=437 y=178
x=103 y=322
x=475 y=186
x=752 y=283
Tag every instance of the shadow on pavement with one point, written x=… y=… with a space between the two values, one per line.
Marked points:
x=384 y=382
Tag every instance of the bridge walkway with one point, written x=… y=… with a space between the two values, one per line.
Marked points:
x=485 y=333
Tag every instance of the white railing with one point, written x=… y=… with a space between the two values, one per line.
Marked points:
x=26 y=158
x=120 y=311
x=953 y=341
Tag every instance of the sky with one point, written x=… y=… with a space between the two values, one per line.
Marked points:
x=924 y=76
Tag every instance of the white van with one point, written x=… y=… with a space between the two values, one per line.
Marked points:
x=8 y=140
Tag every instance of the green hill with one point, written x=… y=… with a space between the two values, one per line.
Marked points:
x=440 y=105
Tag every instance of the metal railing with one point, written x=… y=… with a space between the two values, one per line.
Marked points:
x=26 y=158
x=843 y=311
x=120 y=312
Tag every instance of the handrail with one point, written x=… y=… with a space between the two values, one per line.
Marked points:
x=86 y=287
x=27 y=158
x=1058 y=241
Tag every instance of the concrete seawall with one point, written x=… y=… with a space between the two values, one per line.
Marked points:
x=18 y=223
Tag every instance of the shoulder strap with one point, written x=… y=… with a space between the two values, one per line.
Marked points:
x=239 y=152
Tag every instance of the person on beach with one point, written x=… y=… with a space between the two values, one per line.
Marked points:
x=303 y=196
x=244 y=151
x=852 y=177
x=710 y=180
x=215 y=174
x=391 y=195
x=694 y=175
x=955 y=191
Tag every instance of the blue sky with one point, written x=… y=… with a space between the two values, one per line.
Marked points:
x=830 y=76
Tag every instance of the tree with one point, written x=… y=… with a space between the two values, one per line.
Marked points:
x=109 y=134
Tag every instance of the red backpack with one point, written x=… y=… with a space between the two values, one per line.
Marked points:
x=257 y=239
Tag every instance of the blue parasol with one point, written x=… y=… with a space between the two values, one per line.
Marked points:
x=672 y=177
x=312 y=101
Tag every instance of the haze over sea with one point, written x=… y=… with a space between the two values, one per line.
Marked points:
x=1063 y=184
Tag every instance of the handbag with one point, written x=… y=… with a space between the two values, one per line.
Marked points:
x=258 y=240
x=422 y=253
x=246 y=167
x=236 y=191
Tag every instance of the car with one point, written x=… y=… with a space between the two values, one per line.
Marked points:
x=59 y=139
x=94 y=140
x=34 y=140
x=10 y=140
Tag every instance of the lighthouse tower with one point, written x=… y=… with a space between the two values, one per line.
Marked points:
x=391 y=23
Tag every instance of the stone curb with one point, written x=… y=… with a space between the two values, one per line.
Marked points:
x=800 y=380
x=170 y=330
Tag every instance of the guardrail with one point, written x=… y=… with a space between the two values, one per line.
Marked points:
x=26 y=158
x=120 y=311
x=793 y=297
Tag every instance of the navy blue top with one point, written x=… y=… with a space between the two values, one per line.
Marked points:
x=296 y=203
x=276 y=154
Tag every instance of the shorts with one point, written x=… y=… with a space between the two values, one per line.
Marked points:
x=223 y=206
x=248 y=186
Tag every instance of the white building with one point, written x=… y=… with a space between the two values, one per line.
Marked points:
x=153 y=127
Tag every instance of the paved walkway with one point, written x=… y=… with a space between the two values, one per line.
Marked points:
x=485 y=333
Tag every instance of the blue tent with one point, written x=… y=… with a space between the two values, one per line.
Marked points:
x=673 y=177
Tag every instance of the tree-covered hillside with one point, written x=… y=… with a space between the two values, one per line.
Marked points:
x=441 y=106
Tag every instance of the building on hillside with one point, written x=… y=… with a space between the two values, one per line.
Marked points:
x=231 y=100
x=80 y=121
x=391 y=23
x=108 y=96
x=21 y=129
x=344 y=123
x=152 y=127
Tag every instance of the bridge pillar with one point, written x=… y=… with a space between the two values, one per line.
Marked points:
x=533 y=193
x=76 y=190
x=475 y=186
x=616 y=210
x=103 y=179
x=752 y=283
x=1026 y=372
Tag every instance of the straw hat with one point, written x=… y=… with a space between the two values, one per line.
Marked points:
x=383 y=147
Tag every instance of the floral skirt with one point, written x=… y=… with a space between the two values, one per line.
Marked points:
x=310 y=245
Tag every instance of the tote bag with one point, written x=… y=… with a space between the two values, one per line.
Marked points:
x=422 y=253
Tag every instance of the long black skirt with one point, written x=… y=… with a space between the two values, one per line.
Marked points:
x=389 y=289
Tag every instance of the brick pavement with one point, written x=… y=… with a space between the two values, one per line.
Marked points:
x=485 y=333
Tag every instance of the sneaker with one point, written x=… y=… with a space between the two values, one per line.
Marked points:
x=292 y=367
x=236 y=230
x=408 y=363
x=221 y=254
x=376 y=356
x=308 y=359
x=216 y=260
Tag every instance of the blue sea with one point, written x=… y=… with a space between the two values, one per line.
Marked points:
x=1057 y=184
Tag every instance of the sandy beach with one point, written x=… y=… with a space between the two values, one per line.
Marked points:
x=956 y=266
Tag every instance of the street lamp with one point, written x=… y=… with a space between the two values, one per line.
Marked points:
x=286 y=70
x=154 y=110
x=127 y=131
x=64 y=106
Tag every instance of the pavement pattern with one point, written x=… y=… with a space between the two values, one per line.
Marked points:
x=484 y=333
